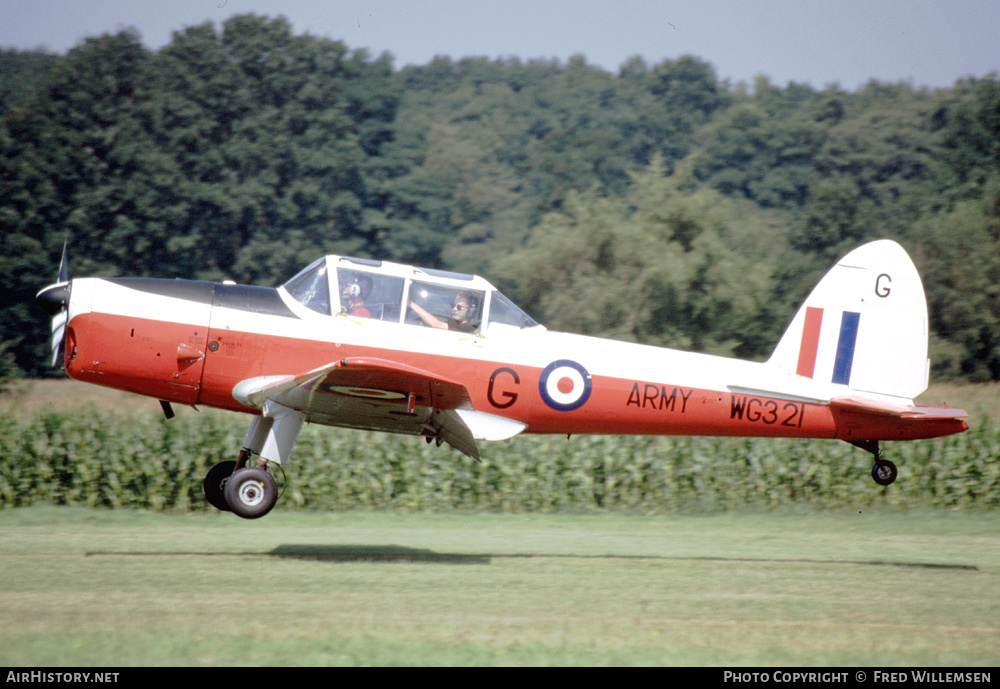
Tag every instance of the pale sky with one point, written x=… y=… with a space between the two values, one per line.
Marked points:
x=816 y=42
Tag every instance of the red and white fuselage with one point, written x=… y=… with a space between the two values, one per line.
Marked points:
x=229 y=346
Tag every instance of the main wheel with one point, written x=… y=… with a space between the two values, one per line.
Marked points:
x=215 y=485
x=884 y=472
x=251 y=493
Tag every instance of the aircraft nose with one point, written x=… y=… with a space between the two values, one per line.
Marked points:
x=54 y=298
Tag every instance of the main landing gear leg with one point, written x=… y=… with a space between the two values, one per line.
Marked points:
x=883 y=471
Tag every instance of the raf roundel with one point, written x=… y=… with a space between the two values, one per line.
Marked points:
x=565 y=385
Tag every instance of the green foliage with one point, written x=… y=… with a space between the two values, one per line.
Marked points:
x=962 y=247
x=662 y=266
x=155 y=464
x=19 y=71
x=8 y=369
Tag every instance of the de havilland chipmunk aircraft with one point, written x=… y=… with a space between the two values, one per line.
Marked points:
x=370 y=344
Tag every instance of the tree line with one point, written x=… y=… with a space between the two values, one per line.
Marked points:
x=675 y=208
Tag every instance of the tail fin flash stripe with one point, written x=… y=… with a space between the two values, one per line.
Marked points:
x=810 y=342
x=844 y=360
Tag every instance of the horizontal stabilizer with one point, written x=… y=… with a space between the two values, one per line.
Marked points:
x=864 y=405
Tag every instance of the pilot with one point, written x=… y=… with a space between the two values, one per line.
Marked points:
x=463 y=310
x=353 y=296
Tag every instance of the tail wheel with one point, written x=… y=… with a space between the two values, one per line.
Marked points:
x=884 y=472
x=251 y=493
x=215 y=484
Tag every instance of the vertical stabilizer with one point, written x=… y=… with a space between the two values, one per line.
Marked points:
x=863 y=328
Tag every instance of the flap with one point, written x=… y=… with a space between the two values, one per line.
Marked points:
x=451 y=429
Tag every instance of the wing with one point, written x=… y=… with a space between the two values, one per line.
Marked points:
x=378 y=394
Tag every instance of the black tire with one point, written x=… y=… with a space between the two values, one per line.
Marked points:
x=884 y=472
x=251 y=493
x=215 y=485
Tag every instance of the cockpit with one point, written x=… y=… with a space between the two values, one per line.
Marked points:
x=397 y=293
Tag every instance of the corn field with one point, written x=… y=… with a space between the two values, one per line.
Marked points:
x=148 y=462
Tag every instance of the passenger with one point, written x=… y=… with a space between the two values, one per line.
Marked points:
x=463 y=311
x=353 y=296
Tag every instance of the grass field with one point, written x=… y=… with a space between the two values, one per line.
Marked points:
x=119 y=588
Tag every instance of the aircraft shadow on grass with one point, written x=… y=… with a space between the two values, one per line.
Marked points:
x=376 y=553
x=404 y=554
x=395 y=553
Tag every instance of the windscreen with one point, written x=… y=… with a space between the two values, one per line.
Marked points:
x=311 y=287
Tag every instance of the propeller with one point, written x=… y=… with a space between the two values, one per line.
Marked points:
x=54 y=299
